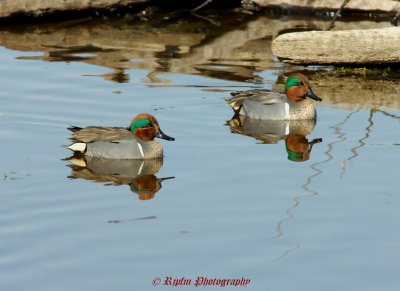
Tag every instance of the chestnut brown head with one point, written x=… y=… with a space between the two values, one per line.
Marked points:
x=145 y=127
x=298 y=87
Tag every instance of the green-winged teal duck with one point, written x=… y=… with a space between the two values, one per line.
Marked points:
x=270 y=105
x=134 y=142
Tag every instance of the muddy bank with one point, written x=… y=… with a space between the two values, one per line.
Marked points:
x=363 y=6
x=47 y=8
x=376 y=91
x=355 y=92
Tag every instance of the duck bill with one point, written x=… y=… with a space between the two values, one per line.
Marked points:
x=162 y=135
x=312 y=95
x=166 y=178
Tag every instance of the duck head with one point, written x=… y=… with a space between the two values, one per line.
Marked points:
x=145 y=127
x=147 y=186
x=298 y=87
x=299 y=148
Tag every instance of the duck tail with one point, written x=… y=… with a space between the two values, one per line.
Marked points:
x=77 y=147
x=233 y=94
x=236 y=106
x=237 y=109
x=236 y=101
x=74 y=128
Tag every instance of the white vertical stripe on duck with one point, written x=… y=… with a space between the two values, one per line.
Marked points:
x=287 y=110
x=140 y=149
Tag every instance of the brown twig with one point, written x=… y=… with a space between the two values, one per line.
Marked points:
x=205 y=3
x=396 y=19
x=338 y=14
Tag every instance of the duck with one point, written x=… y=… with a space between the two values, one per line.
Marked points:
x=293 y=104
x=133 y=142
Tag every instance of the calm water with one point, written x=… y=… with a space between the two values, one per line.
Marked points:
x=237 y=207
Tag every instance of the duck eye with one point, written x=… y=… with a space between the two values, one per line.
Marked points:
x=300 y=84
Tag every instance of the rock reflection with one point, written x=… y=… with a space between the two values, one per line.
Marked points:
x=139 y=175
x=293 y=132
x=238 y=49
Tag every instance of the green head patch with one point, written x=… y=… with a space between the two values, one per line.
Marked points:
x=293 y=81
x=141 y=123
x=135 y=188
x=295 y=156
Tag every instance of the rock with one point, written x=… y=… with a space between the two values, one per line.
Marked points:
x=354 y=47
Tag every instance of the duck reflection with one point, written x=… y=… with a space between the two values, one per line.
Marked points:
x=294 y=132
x=138 y=174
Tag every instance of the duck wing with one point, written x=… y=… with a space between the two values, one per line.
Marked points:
x=261 y=96
x=93 y=133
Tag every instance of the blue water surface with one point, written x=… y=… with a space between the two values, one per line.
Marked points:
x=237 y=208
